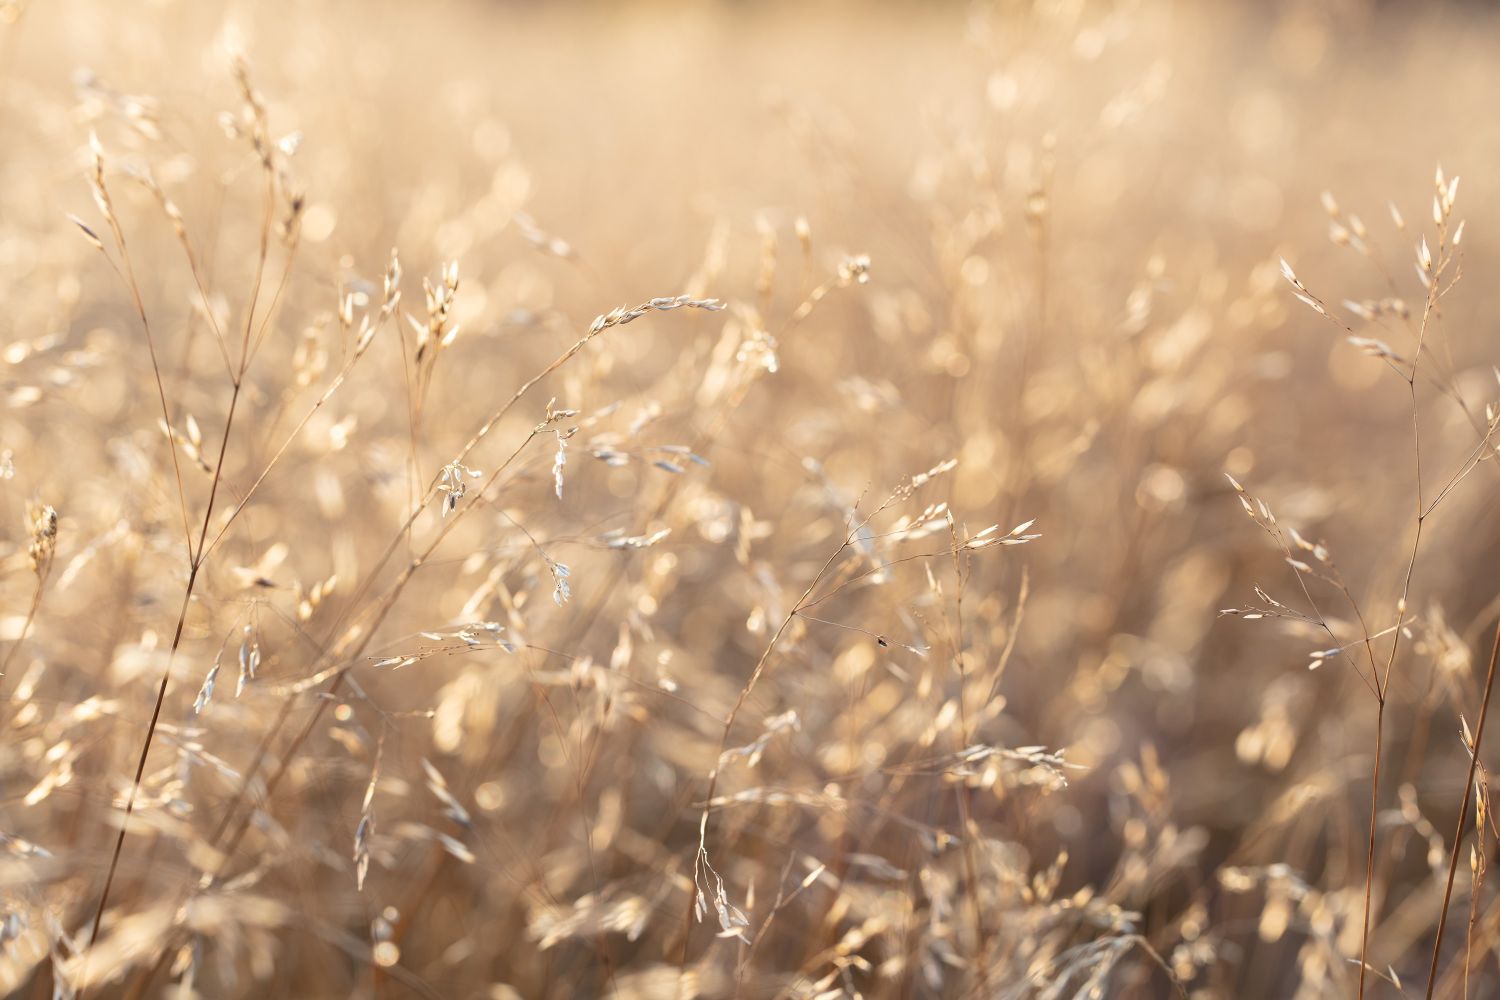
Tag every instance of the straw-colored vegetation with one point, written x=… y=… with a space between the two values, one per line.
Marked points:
x=732 y=501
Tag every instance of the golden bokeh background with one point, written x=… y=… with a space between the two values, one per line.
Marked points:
x=473 y=694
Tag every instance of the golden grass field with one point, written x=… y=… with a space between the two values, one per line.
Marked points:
x=748 y=500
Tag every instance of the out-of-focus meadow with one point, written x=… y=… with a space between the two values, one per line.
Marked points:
x=731 y=500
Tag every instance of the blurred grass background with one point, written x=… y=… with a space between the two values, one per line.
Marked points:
x=1073 y=214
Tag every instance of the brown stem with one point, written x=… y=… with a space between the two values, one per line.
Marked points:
x=1463 y=814
x=1364 y=941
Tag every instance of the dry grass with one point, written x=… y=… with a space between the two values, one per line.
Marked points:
x=389 y=607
